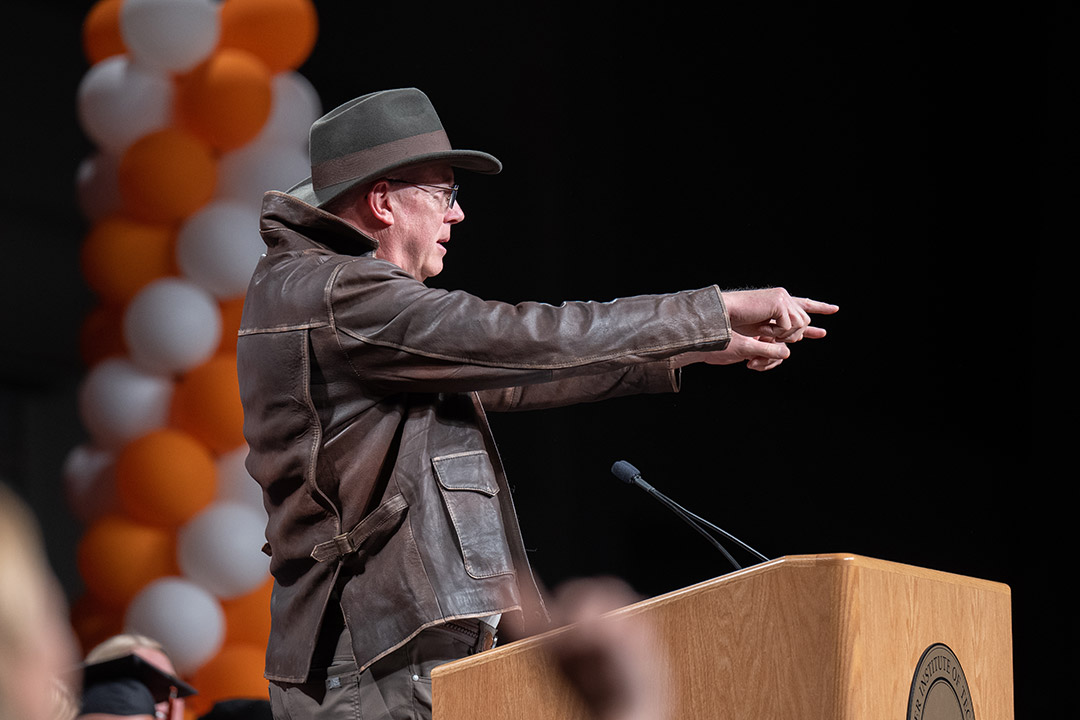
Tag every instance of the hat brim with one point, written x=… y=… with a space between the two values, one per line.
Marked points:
x=160 y=683
x=473 y=160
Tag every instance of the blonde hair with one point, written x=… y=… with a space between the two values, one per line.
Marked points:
x=121 y=645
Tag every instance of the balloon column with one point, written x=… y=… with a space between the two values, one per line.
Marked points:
x=194 y=108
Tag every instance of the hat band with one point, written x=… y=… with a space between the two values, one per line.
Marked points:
x=363 y=162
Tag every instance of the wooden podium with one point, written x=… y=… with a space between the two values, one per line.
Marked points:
x=808 y=637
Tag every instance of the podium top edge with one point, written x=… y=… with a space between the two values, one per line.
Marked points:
x=851 y=560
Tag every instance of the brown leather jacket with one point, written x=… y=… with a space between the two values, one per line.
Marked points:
x=364 y=394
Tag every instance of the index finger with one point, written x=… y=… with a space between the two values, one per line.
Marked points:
x=816 y=306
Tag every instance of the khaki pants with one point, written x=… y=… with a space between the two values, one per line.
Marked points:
x=397 y=687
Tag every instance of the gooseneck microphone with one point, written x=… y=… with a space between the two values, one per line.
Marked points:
x=632 y=476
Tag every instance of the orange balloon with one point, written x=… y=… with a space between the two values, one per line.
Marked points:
x=280 y=32
x=247 y=618
x=231 y=311
x=165 y=477
x=102 y=334
x=206 y=405
x=118 y=556
x=121 y=255
x=166 y=175
x=236 y=672
x=101 y=31
x=226 y=99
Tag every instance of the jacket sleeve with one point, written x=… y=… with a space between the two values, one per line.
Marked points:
x=402 y=336
x=652 y=377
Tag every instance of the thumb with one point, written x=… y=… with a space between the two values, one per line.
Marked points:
x=765 y=347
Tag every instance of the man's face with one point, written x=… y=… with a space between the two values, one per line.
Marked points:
x=172 y=709
x=422 y=221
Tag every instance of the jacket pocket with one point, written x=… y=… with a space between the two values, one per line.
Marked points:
x=469 y=490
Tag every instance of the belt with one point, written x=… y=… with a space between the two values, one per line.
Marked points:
x=483 y=636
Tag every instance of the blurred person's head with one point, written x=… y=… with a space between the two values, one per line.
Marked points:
x=37 y=646
x=153 y=653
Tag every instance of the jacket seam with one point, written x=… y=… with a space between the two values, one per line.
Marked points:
x=577 y=362
x=316 y=429
x=328 y=301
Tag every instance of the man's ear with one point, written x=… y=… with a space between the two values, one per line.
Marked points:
x=378 y=202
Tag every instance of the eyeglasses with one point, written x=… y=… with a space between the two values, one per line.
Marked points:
x=452 y=189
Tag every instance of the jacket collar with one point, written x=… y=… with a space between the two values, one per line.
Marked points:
x=281 y=211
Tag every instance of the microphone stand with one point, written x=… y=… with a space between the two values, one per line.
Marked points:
x=630 y=475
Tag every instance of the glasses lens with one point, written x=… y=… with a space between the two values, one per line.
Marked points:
x=453 y=197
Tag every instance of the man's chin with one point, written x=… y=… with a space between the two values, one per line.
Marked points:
x=433 y=269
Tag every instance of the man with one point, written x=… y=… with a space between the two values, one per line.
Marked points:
x=393 y=538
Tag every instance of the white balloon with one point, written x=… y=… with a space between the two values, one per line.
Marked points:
x=172 y=325
x=184 y=617
x=221 y=549
x=96 y=186
x=90 y=482
x=173 y=35
x=119 y=102
x=245 y=174
x=235 y=483
x=218 y=247
x=296 y=105
x=119 y=401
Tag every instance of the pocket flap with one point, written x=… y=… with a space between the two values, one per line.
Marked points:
x=466 y=471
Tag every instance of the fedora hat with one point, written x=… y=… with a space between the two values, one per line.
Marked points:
x=375 y=134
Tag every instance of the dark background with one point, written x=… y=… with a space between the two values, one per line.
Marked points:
x=903 y=161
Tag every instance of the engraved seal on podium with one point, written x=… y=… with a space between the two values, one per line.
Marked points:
x=939 y=688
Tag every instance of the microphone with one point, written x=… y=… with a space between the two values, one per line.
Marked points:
x=632 y=476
